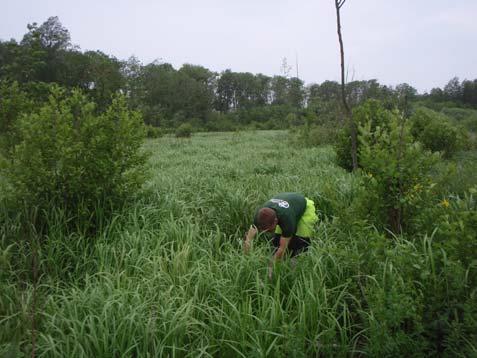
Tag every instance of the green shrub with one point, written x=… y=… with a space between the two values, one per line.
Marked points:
x=184 y=131
x=397 y=174
x=13 y=102
x=71 y=159
x=294 y=120
x=153 y=115
x=456 y=231
x=372 y=113
x=434 y=131
x=456 y=176
x=459 y=114
x=314 y=136
x=452 y=222
x=153 y=132
x=220 y=122
x=466 y=122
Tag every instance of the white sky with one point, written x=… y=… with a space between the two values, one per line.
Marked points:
x=422 y=42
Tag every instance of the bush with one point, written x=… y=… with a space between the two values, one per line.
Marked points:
x=293 y=120
x=466 y=121
x=153 y=115
x=456 y=176
x=397 y=174
x=459 y=114
x=372 y=113
x=153 y=132
x=73 y=160
x=13 y=102
x=314 y=136
x=220 y=122
x=434 y=131
x=184 y=131
x=455 y=219
x=275 y=115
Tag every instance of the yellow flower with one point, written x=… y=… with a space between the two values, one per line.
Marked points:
x=445 y=203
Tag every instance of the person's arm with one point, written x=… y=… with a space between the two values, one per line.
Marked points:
x=278 y=254
x=248 y=238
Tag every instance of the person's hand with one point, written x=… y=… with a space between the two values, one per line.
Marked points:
x=248 y=238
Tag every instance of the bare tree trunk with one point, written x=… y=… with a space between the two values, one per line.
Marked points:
x=348 y=113
x=397 y=222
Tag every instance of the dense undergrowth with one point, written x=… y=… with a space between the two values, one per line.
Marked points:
x=167 y=277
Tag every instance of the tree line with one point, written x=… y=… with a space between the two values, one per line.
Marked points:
x=167 y=97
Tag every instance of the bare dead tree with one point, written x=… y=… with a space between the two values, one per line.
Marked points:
x=348 y=113
x=396 y=214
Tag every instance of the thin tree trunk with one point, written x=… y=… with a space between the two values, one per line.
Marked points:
x=348 y=113
x=396 y=224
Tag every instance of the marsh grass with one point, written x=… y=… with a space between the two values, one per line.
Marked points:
x=167 y=277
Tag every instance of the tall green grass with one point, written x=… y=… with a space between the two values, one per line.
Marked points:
x=167 y=277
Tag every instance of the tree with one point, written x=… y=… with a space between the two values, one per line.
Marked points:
x=53 y=39
x=104 y=77
x=225 y=91
x=132 y=70
x=22 y=63
x=327 y=91
x=405 y=94
x=453 y=90
x=52 y=35
x=192 y=93
x=198 y=73
x=262 y=90
x=296 y=93
x=352 y=125
x=437 y=95
x=73 y=70
x=157 y=83
x=279 y=89
x=469 y=92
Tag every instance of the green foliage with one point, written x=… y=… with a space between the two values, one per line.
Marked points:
x=371 y=113
x=458 y=229
x=397 y=173
x=184 y=131
x=153 y=132
x=293 y=120
x=159 y=91
x=342 y=148
x=434 y=131
x=459 y=114
x=166 y=275
x=220 y=122
x=104 y=78
x=13 y=102
x=316 y=135
x=72 y=159
x=179 y=95
x=455 y=221
x=457 y=175
x=466 y=122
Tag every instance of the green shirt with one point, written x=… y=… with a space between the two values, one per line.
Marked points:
x=289 y=208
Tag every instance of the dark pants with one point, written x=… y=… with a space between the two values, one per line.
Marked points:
x=296 y=246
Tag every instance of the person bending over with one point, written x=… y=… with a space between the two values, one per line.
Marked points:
x=291 y=217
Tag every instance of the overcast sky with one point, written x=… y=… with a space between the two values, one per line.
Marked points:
x=421 y=42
